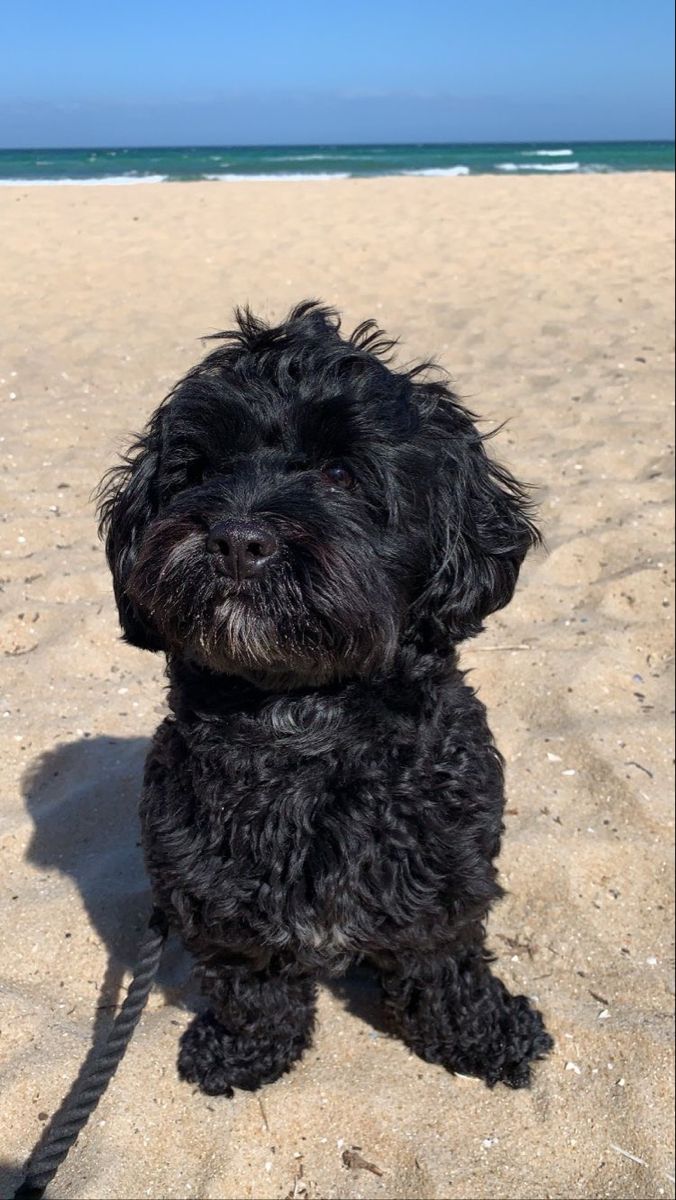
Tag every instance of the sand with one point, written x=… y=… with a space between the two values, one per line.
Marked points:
x=549 y=301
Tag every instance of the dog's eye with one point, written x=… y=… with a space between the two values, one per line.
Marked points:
x=194 y=472
x=337 y=475
x=197 y=471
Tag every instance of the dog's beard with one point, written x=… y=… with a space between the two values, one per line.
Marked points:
x=314 y=616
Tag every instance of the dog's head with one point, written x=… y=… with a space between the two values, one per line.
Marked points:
x=298 y=509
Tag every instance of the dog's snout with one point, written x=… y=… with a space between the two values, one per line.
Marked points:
x=245 y=548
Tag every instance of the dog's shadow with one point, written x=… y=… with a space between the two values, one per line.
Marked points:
x=359 y=993
x=83 y=800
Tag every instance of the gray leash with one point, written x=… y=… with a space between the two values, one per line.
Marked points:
x=66 y=1124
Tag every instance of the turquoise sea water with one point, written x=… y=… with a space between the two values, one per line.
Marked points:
x=157 y=164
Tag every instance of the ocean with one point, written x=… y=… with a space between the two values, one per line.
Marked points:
x=231 y=163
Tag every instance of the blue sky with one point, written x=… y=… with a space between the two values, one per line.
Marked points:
x=142 y=72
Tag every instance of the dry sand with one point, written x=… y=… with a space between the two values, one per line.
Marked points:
x=549 y=300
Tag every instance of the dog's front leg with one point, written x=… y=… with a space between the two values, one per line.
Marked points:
x=450 y=1009
x=259 y=1023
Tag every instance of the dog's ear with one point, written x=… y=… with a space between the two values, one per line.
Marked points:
x=478 y=527
x=127 y=500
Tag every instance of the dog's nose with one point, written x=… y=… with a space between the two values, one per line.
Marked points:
x=244 y=547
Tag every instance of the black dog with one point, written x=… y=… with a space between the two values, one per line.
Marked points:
x=308 y=534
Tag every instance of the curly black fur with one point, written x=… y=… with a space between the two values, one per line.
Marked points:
x=326 y=787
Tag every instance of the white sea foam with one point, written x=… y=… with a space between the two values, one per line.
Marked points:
x=548 y=153
x=461 y=169
x=234 y=177
x=306 y=157
x=509 y=166
x=107 y=179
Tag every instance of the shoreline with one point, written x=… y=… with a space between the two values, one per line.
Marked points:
x=555 y=171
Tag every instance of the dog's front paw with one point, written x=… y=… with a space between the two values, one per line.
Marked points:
x=514 y=1036
x=202 y=1058
x=218 y=1060
x=467 y=1021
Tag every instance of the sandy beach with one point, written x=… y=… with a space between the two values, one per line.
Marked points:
x=549 y=301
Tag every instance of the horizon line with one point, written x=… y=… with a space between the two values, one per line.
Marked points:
x=615 y=141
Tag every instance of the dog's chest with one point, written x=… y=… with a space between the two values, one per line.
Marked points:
x=311 y=839
x=325 y=827
x=305 y=837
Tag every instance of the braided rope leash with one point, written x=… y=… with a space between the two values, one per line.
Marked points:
x=67 y=1123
